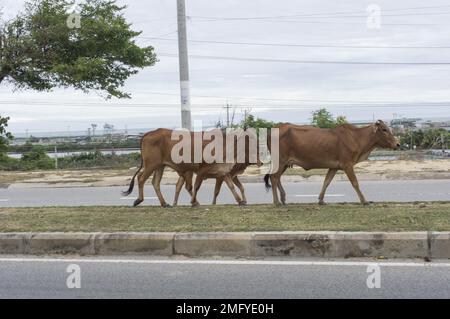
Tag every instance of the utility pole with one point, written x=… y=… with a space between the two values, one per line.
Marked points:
x=94 y=126
x=184 y=66
x=228 y=115
x=56 y=157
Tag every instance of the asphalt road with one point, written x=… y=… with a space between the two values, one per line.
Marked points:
x=302 y=192
x=190 y=278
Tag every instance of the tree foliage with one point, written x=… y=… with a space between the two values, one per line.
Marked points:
x=255 y=122
x=5 y=136
x=426 y=139
x=40 y=50
x=324 y=119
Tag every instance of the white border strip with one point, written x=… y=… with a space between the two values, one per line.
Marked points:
x=317 y=195
x=228 y=262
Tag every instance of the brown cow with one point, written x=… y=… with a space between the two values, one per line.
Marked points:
x=156 y=154
x=237 y=170
x=338 y=148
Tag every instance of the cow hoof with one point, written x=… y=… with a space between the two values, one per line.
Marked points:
x=243 y=203
x=322 y=203
x=137 y=202
x=196 y=204
x=366 y=203
x=166 y=206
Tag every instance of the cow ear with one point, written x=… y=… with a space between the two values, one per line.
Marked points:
x=376 y=127
x=378 y=123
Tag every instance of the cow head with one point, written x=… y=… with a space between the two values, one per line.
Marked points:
x=384 y=136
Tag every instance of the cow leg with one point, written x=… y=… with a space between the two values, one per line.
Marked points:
x=282 y=193
x=178 y=188
x=156 y=181
x=230 y=185
x=330 y=175
x=238 y=183
x=219 y=181
x=274 y=180
x=142 y=178
x=198 y=182
x=352 y=177
x=281 y=189
x=188 y=182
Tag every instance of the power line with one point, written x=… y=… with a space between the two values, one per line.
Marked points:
x=221 y=106
x=226 y=98
x=290 y=99
x=267 y=60
x=339 y=23
x=330 y=16
x=301 y=45
x=317 y=14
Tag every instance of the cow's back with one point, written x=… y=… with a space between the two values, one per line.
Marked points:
x=311 y=147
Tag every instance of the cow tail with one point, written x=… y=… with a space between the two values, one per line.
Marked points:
x=130 y=188
x=266 y=181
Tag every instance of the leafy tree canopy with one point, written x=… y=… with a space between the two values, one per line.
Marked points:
x=5 y=136
x=256 y=122
x=324 y=119
x=45 y=47
x=433 y=138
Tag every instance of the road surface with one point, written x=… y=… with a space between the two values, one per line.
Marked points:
x=136 y=277
x=302 y=192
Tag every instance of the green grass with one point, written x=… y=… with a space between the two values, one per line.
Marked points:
x=349 y=217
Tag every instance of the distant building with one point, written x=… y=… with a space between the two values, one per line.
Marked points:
x=132 y=137
x=403 y=125
x=436 y=125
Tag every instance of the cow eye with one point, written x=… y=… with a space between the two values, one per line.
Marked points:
x=384 y=130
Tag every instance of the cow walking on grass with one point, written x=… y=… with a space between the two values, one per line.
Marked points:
x=339 y=148
x=157 y=153
x=238 y=169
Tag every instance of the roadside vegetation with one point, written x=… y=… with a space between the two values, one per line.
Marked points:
x=298 y=217
x=89 y=146
x=37 y=159
x=433 y=138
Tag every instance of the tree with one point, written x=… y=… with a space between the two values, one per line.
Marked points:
x=251 y=122
x=5 y=136
x=341 y=120
x=40 y=49
x=324 y=119
x=431 y=138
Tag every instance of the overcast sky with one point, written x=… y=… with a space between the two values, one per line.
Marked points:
x=333 y=31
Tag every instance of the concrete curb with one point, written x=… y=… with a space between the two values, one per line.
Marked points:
x=325 y=244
